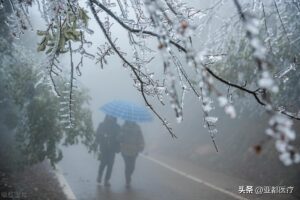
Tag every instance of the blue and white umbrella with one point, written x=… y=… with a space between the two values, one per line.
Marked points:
x=127 y=111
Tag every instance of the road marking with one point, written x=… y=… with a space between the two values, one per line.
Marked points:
x=189 y=176
x=64 y=184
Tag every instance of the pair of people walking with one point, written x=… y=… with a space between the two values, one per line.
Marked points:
x=112 y=139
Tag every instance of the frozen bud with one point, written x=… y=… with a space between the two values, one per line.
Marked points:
x=288 y=133
x=200 y=57
x=260 y=53
x=296 y=158
x=207 y=100
x=213 y=132
x=179 y=119
x=256 y=43
x=252 y=26
x=210 y=80
x=280 y=146
x=201 y=84
x=222 y=101
x=286 y=158
x=270 y=132
x=266 y=81
x=275 y=89
x=207 y=108
x=229 y=110
x=210 y=119
x=281 y=130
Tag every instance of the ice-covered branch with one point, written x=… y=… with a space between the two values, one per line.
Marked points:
x=133 y=69
x=197 y=47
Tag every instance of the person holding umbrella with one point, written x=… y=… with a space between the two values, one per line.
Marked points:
x=107 y=136
x=131 y=138
x=131 y=142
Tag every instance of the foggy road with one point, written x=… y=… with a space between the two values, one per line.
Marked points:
x=152 y=180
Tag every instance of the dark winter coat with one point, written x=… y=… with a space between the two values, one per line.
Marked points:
x=107 y=136
x=131 y=140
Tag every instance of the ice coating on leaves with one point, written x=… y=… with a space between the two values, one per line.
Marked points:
x=259 y=53
x=222 y=101
x=210 y=119
x=164 y=41
x=252 y=26
x=266 y=81
x=37 y=108
x=213 y=132
x=18 y=21
x=285 y=158
x=297 y=158
x=228 y=107
x=281 y=130
x=207 y=107
x=284 y=72
x=229 y=110
x=179 y=119
x=188 y=42
x=259 y=49
x=280 y=145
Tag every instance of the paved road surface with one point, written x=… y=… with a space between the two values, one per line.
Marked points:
x=154 y=179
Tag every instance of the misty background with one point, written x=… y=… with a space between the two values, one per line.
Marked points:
x=235 y=140
x=236 y=137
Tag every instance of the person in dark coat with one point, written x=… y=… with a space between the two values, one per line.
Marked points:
x=107 y=136
x=131 y=142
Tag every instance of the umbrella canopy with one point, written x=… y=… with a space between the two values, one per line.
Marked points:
x=127 y=110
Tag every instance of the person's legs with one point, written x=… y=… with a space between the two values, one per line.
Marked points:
x=126 y=161
x=131 y=164
x=110 y=163
x=129 y=167
x=103 y=164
